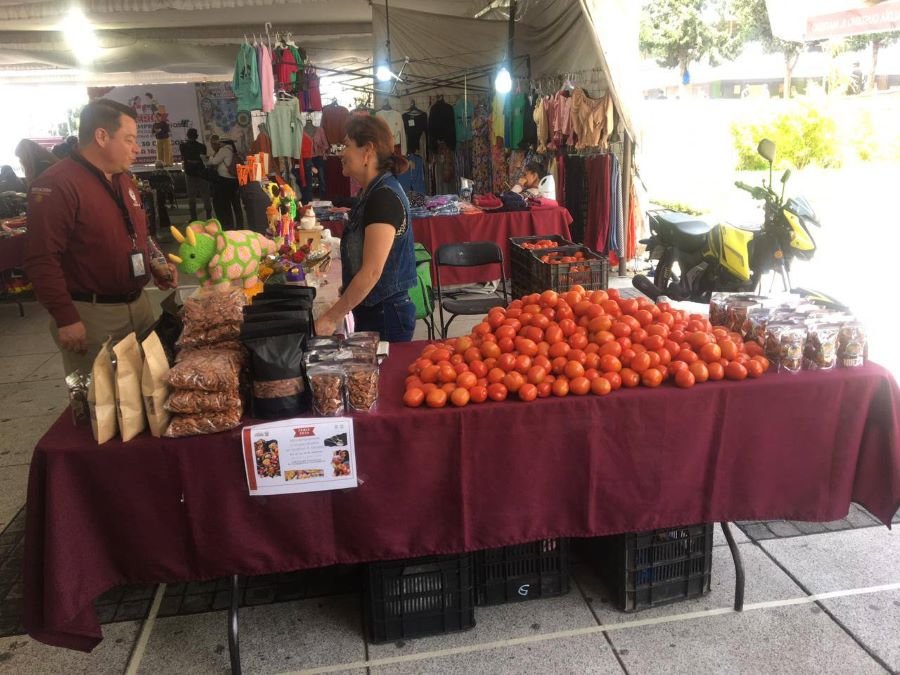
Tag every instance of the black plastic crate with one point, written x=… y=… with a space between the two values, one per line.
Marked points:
x=520 y=258
x=539 y=569
x=416 y=597
x=648 y=569
x=592 y=272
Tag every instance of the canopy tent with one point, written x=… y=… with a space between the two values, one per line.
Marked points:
x=810 y=20
x=554 y=38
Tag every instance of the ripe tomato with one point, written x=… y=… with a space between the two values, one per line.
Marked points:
x=528 y=392
x=613 y=348
x=579 y=385
x=665 y=356
x=716 y=371
x=655 y=359
x=620 y=329
x=460 y=397
x=651 y=377
x=560 y=387
x=577 y=355
x=413 y=397
x=573 y=369
x=490 y=350
x=448 y=387
x=686 y=355
x=640 y=362
x=754 y=368
x=523 y=363
x=600 y=386
x=675 y=366
x=654 y=342
x=578 y=341
x=506 y=361
x=536 y=374
x=600 y=323
x=729 y=349
x=553 y=334
x=544 y=389
x=627 y=355
x=513 y=381
x=558 y=349
x=710 y=352
x=478 y=368
x=478 y=394
x=609 y=363
x=700 y=371
x=754 y=349
x=614 y=379
x=629 y=377
x=527 y=347
x=735 y=371
x=496 y=375
x=467 y=380
x=436 y=398
x=684 y=379
x=644 y=317
x=549 y=298
x=497 y=391
x=763 y=361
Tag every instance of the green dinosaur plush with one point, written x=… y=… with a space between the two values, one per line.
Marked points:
x=217 y=257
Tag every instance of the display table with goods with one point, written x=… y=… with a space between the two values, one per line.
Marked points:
x=14 y=285
x=494 y=453
x=435 y=231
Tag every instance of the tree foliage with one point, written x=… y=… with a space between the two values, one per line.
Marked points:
x=679 y=32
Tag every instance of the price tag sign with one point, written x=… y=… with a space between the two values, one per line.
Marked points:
x=300 y=455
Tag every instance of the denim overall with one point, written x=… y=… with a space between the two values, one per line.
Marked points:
x=387 y=308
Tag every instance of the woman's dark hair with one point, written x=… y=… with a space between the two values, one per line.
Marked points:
x=536 y=167
x=192 y=134
x=374 y=130
x=34 y=159
x=102 y=113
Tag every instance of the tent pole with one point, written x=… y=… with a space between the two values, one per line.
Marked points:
x=627 y=151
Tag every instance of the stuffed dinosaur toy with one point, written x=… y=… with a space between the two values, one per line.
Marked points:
x=217 y=257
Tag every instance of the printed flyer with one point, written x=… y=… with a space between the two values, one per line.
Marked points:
x=300 y=455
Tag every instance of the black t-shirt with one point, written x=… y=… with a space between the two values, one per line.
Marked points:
x=191 y=155
x=383 y=206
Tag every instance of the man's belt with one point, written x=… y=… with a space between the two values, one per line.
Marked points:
x=101 y=299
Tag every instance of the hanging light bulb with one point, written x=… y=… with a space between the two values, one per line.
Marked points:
x=80 y=36
x=503 y=83
x=383 y=73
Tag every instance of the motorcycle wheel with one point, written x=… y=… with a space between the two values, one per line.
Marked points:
x=664 y=274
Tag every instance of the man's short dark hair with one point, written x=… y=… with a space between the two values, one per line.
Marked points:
x=192 y=134
x=536 y=167
x=102 y=114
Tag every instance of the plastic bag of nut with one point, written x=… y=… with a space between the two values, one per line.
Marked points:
x=363 y=338
x=277 y=367
x=718 y=313
x=207 y=370
x=851 y=345
x=820 y=349
x=326 y=381
x=204 y=423
x=361 y=383
x=738 y=310
x=213 y=308
x=785 y=341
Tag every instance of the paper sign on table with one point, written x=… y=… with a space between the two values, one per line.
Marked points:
x=300 y=455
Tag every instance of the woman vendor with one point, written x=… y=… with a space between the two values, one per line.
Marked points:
x=377 y=253
x=530 y=180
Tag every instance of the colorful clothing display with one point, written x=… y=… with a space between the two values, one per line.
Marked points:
x=266 y=78
x=498 y=121
x=415 y=123
x=334 y=122
x=441 y=125
x=481 y=150
x=592 y=119
x=245 y=82
x=462 y=112
x=285 y=128
x=394 y=121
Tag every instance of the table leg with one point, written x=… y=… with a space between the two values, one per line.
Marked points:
x=234 y=648
x=738 y=569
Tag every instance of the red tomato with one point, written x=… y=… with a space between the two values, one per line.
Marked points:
x=544 y=389
x=496 y=375
x=615 y=380
x=573 y=369
x=710 y=352
x=684 y=379
x=513 y=381
x=579 y=385
x=467 y=380
x=413 y=397
x=613 y=348
x=478 y=368
x=600 y=386
x=700 y=371
x=528 y=392
x=735 y=371
x=478 y=394
x=536 y=374
x=754 y=368
x=436 y=398
x=640 y=362
x=507 y=362
x=629 y=377
x=651 y=377
x=460 y=397
x=497 y=391
x=523 y=363
x=560 y=387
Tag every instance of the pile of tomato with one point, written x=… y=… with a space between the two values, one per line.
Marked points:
x=578 y=343
x=540 y=243
x=557 y=258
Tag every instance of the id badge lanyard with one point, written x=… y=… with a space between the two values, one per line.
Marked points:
x=136 y=257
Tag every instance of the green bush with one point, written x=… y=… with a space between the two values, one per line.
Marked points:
x=803 y=135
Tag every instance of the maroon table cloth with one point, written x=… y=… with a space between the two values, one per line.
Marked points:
x=498 y=227
x=451 y=480
x=12 y=252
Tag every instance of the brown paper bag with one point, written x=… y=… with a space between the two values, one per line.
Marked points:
x=102 y=396
x=154 y=385
x=129 y=402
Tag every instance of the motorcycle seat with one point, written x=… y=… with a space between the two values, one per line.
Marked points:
x=683 y=223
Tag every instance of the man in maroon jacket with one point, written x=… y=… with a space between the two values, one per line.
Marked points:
x=86 y=247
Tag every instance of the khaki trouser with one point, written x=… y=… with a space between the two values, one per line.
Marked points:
x=102 y=321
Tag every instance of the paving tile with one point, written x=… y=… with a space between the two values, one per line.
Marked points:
x=840 y=560
x=130 y=611
x=582 y=654
x=274 y=639
x=499 y=622
x=51 y=369
x=859 y=517
x=873 y=620
x=757 y=531
x=19 y=368
x=736 y=532
x=13 y=484
x=33 y=399
x=24 y=655
x=810 y=528
x=33 y=343
x=800 y=639
x=763 y=580
x=19 y=436
x=35 y=321
x=837 y=525
x=783 y=528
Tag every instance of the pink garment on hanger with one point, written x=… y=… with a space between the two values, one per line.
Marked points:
x=266 y=78
x=320 y=143
x=562 y=119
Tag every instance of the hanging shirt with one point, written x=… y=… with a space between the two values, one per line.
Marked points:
x=562 y=119
x=395 y=121
x=266 y=78
x=498 y=121
x=334 y=122
x=245 y=81
x=441 y=125
x=540 y=122
x=592 y=119
x=285 y=126
x=415 y=123
x=529 y=128
x=462 y=112
x=320 y=142
x=413 y=180
x=285 y=68
x=313 y=95
x=516 y=107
